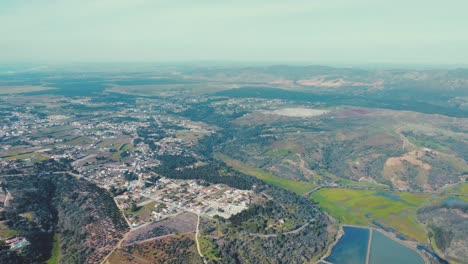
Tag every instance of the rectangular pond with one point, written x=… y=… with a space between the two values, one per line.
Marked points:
x=352 y=248
x=387 y=251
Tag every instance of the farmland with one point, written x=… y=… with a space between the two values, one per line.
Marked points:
x=5 y=90
x=364 y=207
x=171 y=149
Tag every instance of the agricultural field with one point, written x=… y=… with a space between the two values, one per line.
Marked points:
x=34 y=156
x=362 y=184
x=391 y=210
x=143 y=212
x=5 y=90
x=298 y=187
x=461 y=188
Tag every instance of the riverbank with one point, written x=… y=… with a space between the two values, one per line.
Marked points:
x=337 y=237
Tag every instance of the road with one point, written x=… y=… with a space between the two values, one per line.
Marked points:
x=295 y=231
x=177 y=206
x=197 y=234
x=122 y=212
x=369 y=245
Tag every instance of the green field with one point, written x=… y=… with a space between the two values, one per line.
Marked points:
x=22 y=89
x=278 y=152
x=461 y=188
x=362 y=207
x=27 y=155
x=55 y=251
x=362 y=184
x=122 y=148
x=298 y=187
x=143 y=212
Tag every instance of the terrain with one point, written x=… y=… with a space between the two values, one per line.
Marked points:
x=229 y=164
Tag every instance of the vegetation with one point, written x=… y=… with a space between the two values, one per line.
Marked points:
x=461 y=188
x=285 y=229
x=22 y=89
x=213 y=172
x=293 y=186
x=209 y=250
x=447 y=227
x=54 y=259
x=365 y=140
x=393 y=211
x=85 y=216
x=175 y=249
x=362 y=184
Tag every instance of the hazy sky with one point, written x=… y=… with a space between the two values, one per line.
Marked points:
x=304 y=31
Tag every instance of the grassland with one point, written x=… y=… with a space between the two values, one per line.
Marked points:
x=362 y=184
x=143 y=212
x=124 y=147
x=278 y=152
x=299 y=187
x=4 y=90
x=28 y=215
x=6 y=232
x=461 y=188
x=364 y=207
x=55 y=251
x=26 y=155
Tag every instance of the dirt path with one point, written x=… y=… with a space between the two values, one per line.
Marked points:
x=295 y=231
x=308 y=173
x=123 y=214
x=156 y=238
x=403 y=138
x=197 y=233
x=369 y=245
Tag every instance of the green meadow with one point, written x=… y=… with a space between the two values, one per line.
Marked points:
x=363 y=207
x=461 y=188
x=362 y=184
x=55 y=251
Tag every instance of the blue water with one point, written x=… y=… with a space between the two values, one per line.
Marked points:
x=392 y=197
x=386 y=251
x=351 y=248
x=434 y=255
x=454 y=202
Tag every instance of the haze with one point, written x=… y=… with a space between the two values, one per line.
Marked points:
x=305 y=31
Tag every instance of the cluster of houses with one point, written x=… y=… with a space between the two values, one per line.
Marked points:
x=16 y=242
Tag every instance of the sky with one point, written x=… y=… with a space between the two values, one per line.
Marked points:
x=287 y=31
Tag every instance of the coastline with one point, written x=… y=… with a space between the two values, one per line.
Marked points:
x=336 y=238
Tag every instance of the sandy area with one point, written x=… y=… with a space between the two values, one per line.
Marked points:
x=298 y=112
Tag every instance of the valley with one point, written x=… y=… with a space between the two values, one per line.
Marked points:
x=232 y=165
